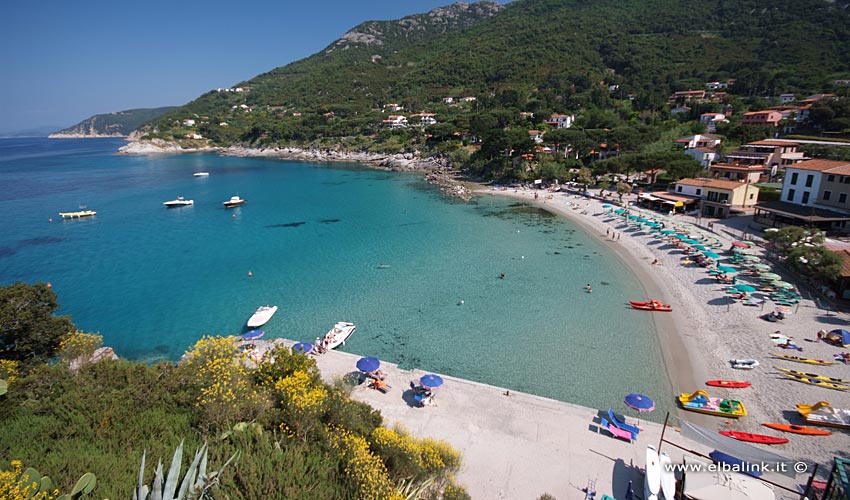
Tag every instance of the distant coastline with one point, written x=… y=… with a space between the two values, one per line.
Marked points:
x=59 y=135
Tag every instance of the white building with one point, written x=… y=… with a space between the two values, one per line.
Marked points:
x=561 y=121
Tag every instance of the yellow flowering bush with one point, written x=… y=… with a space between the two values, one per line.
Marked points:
x=302 y=399
x=9 y=370
x=79 y=344
x=16 y=485
x=226 y=393
x=362 y=466
x=412 y=456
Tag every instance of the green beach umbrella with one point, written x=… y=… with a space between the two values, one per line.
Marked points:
x=668 y=231
x=701 y=248
x=634 y=217
x=711 y=255
x=606 y=206
x=620 y=211
x=745 y=288
x=681 y=237
x=727 y=269
x=689 y=241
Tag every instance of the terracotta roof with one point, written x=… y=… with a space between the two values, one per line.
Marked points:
x=845 y=257
x=706 y=150
x=738 y=168
x=719 y=184
x=693 y=182
x=666 y=195
x=819 y=165
x=771 y=142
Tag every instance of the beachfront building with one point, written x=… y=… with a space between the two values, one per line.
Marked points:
x=740 y=173
x=759 y=158
x=814 y=193
x=718 y=197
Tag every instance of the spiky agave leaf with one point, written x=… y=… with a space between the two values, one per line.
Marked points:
x=173 y=479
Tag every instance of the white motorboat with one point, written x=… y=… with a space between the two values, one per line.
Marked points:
x=234 y=201
x=201 y=174
x=744 y=364
x=179 y=202
x=652 y=481
x=337 y=335
x=261 y=316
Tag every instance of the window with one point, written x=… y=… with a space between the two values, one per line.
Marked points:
x=845 y=179
x=751 y=196
x=679 y=189
x=830 y=178
x=699 y=191
x=827 y=195
x=805 y=197
x=809 y=179
x=794 y=178
x=790 y=195
x=842 y=198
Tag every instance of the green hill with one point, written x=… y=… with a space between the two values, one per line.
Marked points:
x=533 y=55
x=118 y=124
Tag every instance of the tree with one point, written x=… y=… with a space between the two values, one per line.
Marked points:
x=792 y=236
x=603 y=184
x=585 y=176
x=622 y=189
x=29 y=332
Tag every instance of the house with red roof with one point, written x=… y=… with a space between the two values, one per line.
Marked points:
x=766 y=117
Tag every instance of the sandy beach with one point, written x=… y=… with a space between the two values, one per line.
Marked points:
x=705 y=331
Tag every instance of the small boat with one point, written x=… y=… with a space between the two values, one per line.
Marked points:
x=822 y=413
x=744 y=364
x=201 y=174
x=701 y=402
x=798 y=429
x=652 y=480
x=819 y=383
x=261 y=316
x=803 y=360
x=731 y=384
x=179 y=202
x=814 y=376
x=77 y=215
x=337 y=335
x=234 y=201
x=652 y=305
x=754 y=438
x=668 y=478
x=741 y=466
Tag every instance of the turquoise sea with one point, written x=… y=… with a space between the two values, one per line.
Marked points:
x=153 y=280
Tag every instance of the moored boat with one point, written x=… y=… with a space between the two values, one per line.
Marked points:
x=77 y=215
x=179 y=202
x=798 y=429
x=201 y=174
x=819 y=383
x=701 y=402
x=731 y=384
x=744 y=364
x=234 y=201
x=652 y=480
x=749 y=437
x=652 y=305
x=261 y=316
x=337 y=335
x=822 y=413
x=803 y=360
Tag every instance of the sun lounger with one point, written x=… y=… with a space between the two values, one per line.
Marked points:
x=617 y=432
x=622 y=425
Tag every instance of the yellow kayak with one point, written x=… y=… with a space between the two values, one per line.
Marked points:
x=803 y=360
x=819 y=383
x=814 y=376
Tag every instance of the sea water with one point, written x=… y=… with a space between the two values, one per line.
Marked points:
x=418 y=273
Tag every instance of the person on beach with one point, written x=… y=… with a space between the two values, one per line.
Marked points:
x=588 y=289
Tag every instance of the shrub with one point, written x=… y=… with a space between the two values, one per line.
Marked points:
x=79 y=345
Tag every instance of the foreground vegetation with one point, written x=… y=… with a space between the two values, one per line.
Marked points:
x=292 y=435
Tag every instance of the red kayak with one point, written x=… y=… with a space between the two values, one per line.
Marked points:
x=731 y=384
x=798 y=429
x=754 y=438
x=652 y=305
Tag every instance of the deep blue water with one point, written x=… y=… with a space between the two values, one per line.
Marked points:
x=153 y=280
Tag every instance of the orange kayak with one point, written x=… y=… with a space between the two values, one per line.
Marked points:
x=798 y=429
x=731 y=384
x=652 y=305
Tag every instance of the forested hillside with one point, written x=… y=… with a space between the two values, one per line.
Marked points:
x=112 y=124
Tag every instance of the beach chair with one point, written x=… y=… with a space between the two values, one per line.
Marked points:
x=622 y=425
x=617 y=432
x=380 y=385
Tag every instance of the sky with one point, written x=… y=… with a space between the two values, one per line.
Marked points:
x=62 y=61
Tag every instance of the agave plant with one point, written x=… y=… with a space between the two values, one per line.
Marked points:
x=194 y=484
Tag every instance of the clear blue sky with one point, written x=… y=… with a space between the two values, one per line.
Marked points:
x=63 y=61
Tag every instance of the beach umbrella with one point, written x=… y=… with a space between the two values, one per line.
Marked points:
x=751 y=258
x=606 y=206
x=253 y=334
x=771 y=276
x=668 y=231
x=711 y=255
x=783 y=284
x=689 y=241
x=727 y=269
x=761 y=267
x=651 y=224
x=634 y=217
x=740 y=244
x=431 y=381
x=639 y=402
x=620 y=211
x=302 y=347
x=701 y=248
x=744 y=288
x=368 y=364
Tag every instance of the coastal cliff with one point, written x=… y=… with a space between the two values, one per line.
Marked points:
x=118 y=124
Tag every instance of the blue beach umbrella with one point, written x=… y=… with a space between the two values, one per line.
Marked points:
x=689 y=241
x=668 y=231
x=701 y=248
x=368 y=364
x=302 y=347
x=606 y=206
x=639 y=402
x=253 y=334
x=634 y=217
x=431 y=381
x=620 y=211
x=711 y=255
x=744 y=288
x=727 y=269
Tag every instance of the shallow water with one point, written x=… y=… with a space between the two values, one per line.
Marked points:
x=153 y=280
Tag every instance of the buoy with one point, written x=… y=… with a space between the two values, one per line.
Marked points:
x=50 y=219
x=460 y=303
x=49 y=285
x=250 y=274
x=233 y=216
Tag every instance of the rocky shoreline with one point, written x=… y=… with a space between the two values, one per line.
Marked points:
x=437 y=171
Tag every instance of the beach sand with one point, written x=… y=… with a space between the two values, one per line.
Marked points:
x=705 y=331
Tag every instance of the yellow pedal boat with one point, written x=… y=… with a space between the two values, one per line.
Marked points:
x=822 y=413
x=701 y=402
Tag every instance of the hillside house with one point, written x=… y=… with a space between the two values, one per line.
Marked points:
x=448 y=100
x=786 y=98
x=536 y=136
x=814 y=193
x=468 y=99
x=393 y=106
x=561 y=121
x=188 y=122
x=700 y=141
x=526 y=115
x=711 y=120
x=685 y=96
x=424 y=119
x=705 y=156
x=766 y=117
x=740 y=173
x=395 y=121
x=770 y=153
